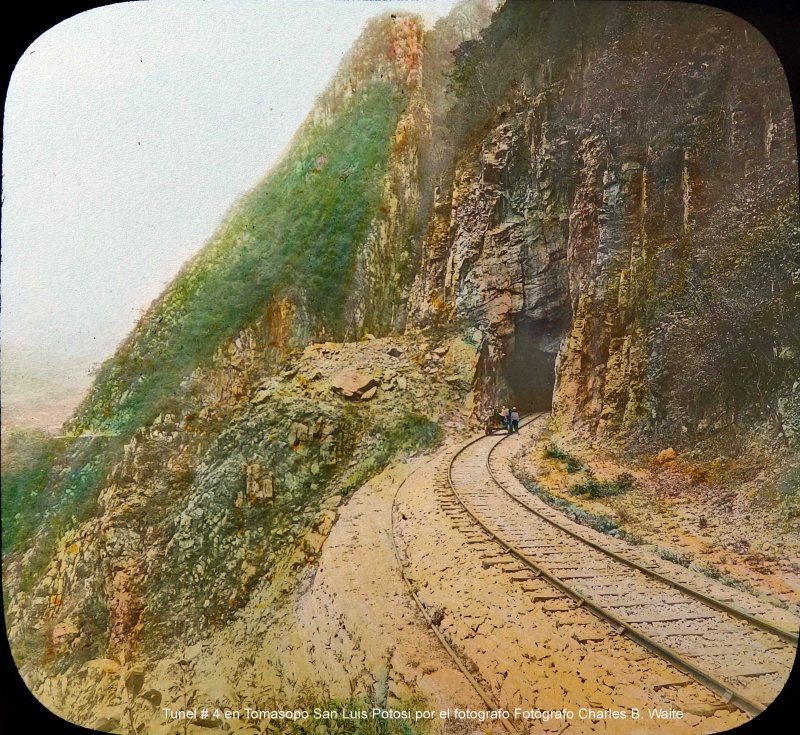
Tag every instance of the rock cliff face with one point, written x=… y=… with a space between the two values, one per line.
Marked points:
x=585 y=206
x=622 y=195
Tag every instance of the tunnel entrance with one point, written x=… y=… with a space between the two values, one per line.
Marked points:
x=529 y=368
x=530 y=376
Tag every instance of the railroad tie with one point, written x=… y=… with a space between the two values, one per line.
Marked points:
x=667 y=617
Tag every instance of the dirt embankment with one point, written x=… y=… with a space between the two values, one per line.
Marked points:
x=674 y=510
x=350 y=628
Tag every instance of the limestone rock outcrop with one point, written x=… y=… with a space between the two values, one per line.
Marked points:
x=259 y=484
x=629 y=227
x=354 y=384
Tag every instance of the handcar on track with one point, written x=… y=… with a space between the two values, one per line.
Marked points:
x=495 y=423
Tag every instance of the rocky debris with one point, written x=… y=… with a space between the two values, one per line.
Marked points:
x=260 y=487
x=228 y=531
x=666 y=456
x=192 y=499
x=394 y=352
x=353 y=384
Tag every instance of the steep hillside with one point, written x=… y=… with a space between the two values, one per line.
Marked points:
x=268 y=270
x=215 y=437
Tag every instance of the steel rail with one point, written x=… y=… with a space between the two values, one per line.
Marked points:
x=732 y=610
x=479 y=690
x=726 y=692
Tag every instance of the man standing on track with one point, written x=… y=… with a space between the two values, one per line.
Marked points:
x=513 y=427
x=506 y=418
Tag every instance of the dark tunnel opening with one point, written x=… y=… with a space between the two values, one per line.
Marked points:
x=529 y=369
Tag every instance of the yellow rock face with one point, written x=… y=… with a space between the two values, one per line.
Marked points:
x=666 y=455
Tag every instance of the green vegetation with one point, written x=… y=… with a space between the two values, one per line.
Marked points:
x=709 y=570
x=790 y=503
x=609 y=526
x=296 y=234
x=594 y=489
x=591 y=487
x=28 y=461
x=27 y=458
x=668 y=555
x=70 y=509
x=604 y=524
x=468 y=58
x=716 y=573
x=43 y=496
x=65 y=509
x=572 y=462
x=706 y=351
x=411 y=434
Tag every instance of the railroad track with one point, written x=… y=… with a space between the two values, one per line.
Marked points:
x=462 y=665
x=743 y=659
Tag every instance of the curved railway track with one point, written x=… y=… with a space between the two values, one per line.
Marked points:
x=480 y=690
x=742 y=658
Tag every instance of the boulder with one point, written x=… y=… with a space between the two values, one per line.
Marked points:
x=352 y=384
x=666 y=455
x=259 y=484
x=299 y=433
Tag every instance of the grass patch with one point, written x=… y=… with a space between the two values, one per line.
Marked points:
x=27 y=459
x=594 y=489
x=790 y=503
x=76 y=504
x=708 y=570
x=572 y=463
x=610 y=527
x=604 y=524
x=296 y=234
x=713 y=572
x=412 y=433
x=668 y=555
x=43 y=496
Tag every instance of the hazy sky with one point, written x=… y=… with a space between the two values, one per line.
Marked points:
x=129 y=131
